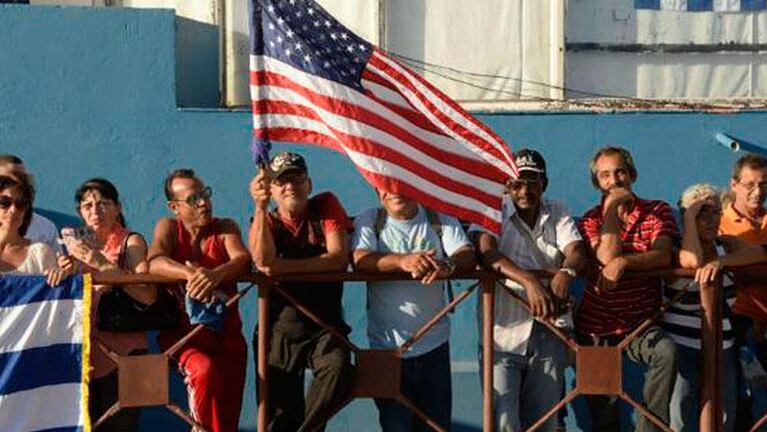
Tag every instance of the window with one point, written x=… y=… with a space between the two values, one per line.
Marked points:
x=467 y=49
x=505 y=54
x=615 y=49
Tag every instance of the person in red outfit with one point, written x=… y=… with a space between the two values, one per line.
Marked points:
x=301 y=235
x=207 y=253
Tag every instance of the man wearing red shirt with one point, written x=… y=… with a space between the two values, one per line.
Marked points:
x=301 y=235
x=627 y=233
x=207 y=252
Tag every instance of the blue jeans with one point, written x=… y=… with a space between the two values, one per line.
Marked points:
x=426 y=381
x=526 y=386
x=685 y=412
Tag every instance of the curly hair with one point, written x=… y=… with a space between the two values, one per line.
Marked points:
x=698 y=192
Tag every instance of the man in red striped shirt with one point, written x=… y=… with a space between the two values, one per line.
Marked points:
x=627 y=233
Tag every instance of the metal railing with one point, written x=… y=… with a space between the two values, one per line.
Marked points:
x=592 y=376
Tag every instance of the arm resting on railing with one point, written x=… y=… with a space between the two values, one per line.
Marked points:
x=539 y=297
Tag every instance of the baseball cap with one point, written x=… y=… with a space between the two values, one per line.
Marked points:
x=287 y=161
x=530 y=160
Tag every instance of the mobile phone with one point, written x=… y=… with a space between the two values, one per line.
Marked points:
x=77 y=233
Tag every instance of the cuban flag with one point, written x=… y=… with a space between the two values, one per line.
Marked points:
x=702 y=5
x=44 y=352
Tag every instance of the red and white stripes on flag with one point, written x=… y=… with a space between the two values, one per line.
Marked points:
x=403 y=134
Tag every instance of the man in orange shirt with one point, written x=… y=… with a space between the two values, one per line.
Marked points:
x=746 y=217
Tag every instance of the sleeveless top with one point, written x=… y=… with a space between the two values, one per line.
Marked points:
x=121 y=342
x=682 y=318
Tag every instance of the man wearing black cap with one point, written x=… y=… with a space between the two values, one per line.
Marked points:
x=536 y=233
x=302 y=235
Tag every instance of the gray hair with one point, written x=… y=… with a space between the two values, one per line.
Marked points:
x=698 y=192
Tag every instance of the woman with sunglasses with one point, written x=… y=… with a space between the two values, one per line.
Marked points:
x=17 y=254
x=703 y=249
x=106 y=245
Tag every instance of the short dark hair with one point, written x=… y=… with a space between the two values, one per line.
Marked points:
x=10 y=159
x=106 y=188
x=612 y=151
x=22 y=184
x=183 y=173
x=750 y=160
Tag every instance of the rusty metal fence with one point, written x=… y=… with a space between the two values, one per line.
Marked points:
x=143 y=380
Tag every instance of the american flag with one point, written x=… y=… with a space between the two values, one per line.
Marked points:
x=702 y=5
x=313 y=81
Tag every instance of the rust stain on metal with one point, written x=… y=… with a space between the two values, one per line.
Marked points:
x=143 y=380
x=598 y=370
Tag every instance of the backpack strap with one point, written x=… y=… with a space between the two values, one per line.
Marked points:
x=435 y=222
x=380 y=222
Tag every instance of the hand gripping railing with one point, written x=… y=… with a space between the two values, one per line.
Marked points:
x=368 y=381
x=140 y=381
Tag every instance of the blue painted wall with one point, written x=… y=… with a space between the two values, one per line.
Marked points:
x=92 y=92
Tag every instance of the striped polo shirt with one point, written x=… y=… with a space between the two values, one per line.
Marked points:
x=682 y=318
x=621 y=309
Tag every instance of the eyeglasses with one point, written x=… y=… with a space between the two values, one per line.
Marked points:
x=751 y=186
x=517 y=185
x=294 y=179
x=20 y=203
x=101 y=205
x=196 y=197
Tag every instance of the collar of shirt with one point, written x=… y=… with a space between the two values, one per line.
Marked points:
x=731 y=213
x=510 y=211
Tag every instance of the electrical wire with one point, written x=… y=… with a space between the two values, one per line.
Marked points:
x=610 y=100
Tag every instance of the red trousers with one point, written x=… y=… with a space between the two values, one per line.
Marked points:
x=213 y=365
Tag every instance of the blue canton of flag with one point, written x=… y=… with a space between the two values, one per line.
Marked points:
x=44 y=354
x=702 y=5
x=310 y=39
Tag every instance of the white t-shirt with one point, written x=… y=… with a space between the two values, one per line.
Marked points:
x=554 y=230
x=40 y=257
x=42 y=230
x=396 y=310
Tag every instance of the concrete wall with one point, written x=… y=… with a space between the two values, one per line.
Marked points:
x=91 y=92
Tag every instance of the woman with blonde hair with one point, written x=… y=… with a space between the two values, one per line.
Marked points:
x=705 y=250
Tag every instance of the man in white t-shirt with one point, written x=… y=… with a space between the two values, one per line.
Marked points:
x=405 y=237
x=41 y=229
x=537 y=233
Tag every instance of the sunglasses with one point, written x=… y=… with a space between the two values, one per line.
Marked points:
x=20 y=203
x=294 y=179
x=196 y=197
x=517 y=185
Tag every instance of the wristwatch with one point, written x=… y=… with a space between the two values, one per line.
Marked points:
x=569 y=271
x=451 y=265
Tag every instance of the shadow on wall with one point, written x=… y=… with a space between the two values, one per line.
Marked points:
x=197 y=64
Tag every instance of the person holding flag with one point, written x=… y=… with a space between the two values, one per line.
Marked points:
x=301 y=235
x=313 y=81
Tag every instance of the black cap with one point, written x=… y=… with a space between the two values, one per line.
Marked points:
x=287 y=161
x=530 y=160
